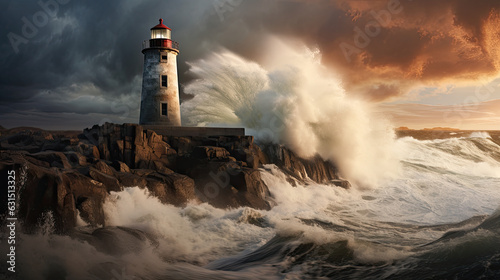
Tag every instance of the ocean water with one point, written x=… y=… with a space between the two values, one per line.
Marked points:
x=437 y=219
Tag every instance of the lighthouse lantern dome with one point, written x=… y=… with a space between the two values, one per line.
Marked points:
x=161 y=31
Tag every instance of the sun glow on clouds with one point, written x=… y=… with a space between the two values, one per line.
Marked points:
x=480 y=116
x=426 y=44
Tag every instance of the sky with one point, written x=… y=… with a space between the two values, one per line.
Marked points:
x=70 y=64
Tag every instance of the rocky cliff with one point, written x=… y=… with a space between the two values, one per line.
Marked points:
x=68 y=174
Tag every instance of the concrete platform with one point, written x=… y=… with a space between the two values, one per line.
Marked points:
x=181 y=131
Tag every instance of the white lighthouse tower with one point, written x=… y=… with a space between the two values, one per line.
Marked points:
x=160 y=89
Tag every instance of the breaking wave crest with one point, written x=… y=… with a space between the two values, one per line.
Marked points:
x=292 y=100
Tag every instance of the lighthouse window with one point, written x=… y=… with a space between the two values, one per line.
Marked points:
x=164 y=109
x=163 y=57
x=164 y=81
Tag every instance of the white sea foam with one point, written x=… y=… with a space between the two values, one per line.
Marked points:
x=292 y=100
x=480 y=134
x=442 y=182
x=196 y=234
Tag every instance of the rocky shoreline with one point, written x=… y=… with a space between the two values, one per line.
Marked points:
x=67 y=174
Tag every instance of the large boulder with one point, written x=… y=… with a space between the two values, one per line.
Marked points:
x=55 y=159
x=210 y=153
x=76 y=159
x=172 y=188
x=86 y=149
x=252 y=191
x=53 y=190
x=121 y=166
x=242 y=148
x=130 y=180
x=89 y=197
x=303 y=170
x=103 y=167
x=229 y=185
x=110 y=182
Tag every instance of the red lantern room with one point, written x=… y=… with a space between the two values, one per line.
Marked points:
x=161 y=31
x=161 y=38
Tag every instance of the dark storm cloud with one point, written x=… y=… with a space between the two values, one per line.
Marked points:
x=88 y=54
x=88 y=41
x=383 y=48
x=85 y=59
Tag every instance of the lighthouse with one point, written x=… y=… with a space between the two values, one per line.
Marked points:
x=160 y=89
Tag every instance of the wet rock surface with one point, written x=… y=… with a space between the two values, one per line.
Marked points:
x=70 y=174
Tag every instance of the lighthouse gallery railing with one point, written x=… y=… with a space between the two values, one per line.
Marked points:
x=160 y=43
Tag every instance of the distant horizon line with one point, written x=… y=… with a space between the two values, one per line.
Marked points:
x=400 y=128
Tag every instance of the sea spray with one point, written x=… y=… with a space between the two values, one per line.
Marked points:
x=296 y=101
x=194 y=234
x=431 y=222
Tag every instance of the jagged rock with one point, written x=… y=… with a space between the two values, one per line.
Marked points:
x=207 y=152
x=183 y=145
x=90 y=210
x=85 y=189
x=172 y=188
x=129 y=180
x=154 y=165
x=77 y=174
x=131 y=145
x=253 y=156
x=252 y=191
x=110 y=182
x=37 y=162
x=315 y=169
x=58 y=144
x=253 y=217
x=52 y=190
x=69 y=213
x=243 y=149
x=229 y=185
x=55 y=159
x=121 y=166
x=76 y=159
x=142 y=172
x=341 y=183
x=103 y=167
x=161 y=167
x=86 y=149
x=30 y=137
